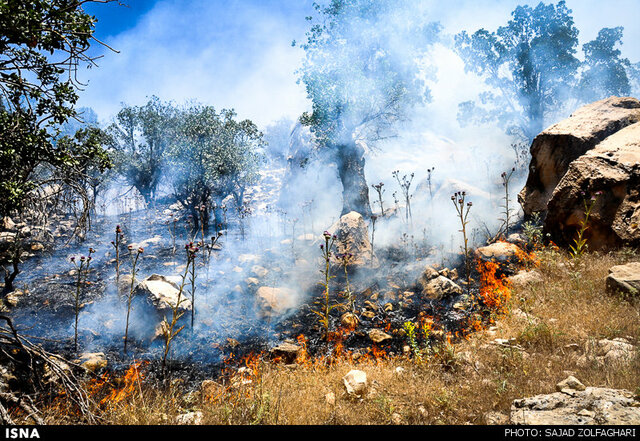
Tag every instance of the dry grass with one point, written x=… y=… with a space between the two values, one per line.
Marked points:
x=553 y=319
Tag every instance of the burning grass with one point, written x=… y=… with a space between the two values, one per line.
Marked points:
x=551 y=319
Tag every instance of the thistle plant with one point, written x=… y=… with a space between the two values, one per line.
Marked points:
x=116 y=244
x=405 y=186
x=506 y=177
x=82 y=269
x=378 y=188
x=429 y=173
x=580 y=242
x=324 y=306
x=134 y=262
x=192 y=252
x=462 y=209
x=374 y=218
x=345 y=260
x=169 y=329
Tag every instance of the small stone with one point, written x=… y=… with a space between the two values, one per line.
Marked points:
x=377 y=336
x=355 y=382
x=191 y=418
x=570 y=383
x=330 y=398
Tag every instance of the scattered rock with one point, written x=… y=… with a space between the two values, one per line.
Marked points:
x=8 y=224
x=524 y=278
x=287 y=352
x=162 y=293
x=496 y=419
x=275 y=301
x=624 y=279
x=501 y=252
x=191 y=418
x=259 y=271
x=93 y=361
x=570 y=383
x=356 y=383
x=330 y=398
x=349 y=320
x=353 y=238
x=590 y=406
x=440 y=288
x=618 y=350
x=377 y=336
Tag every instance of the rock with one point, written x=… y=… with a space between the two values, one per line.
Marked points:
x=440 y=288
x=287 y=352
x=396 y=418
x=148 y=244
x=554 y=149
x=37 y=246
x=524 y=278
x=275 y=301
x=8 y=224
x=349 y=320
x=615 y=351
x=570 y=383
x=93 y=361
x=356 y=383
x=496 y=419
x=191 y=418
x=353 y=238
x=501 y=252
x=624 y=279
x=330 y=398
x=248 y=258
x=427 y=275
x=612 y=172
x=210 y=390
x=13 y=298
x=259 y=271
x=604 y=406
x=162 y=293
x=377 y=336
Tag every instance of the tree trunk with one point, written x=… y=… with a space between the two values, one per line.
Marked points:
x=355 y=191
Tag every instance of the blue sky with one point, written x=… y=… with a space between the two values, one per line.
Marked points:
x=238 y=54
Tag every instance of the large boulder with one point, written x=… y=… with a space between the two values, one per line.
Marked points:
x=162 y=293
x=610 y=171
x=353 y=238
x=557 y=147
x=593 y=405
x=624 y=279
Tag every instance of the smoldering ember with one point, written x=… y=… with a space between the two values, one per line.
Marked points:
x=411 y=215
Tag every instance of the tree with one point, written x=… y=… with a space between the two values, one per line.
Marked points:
x=605 y=71
x=42 y=44
x=212 y=156
x=530 y=65
x=140 y=136
x=362 y=74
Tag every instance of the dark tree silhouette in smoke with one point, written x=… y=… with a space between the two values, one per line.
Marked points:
x=140 y=137
x=528 y=63
x=605 y=71
x=531 y=67
x=363 y=73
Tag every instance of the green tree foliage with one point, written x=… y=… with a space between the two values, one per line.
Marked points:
x=212 y=156
x=362 y=73
x=531 y=68
x=605 y=71
x=140 y=136
x=528 y=64
x=42 y=44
